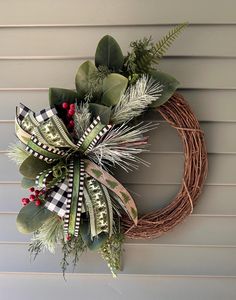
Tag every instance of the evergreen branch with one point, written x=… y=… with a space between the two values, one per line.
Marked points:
x=145 y=55
x=121 y=146
x=136 y=99
x=96 y=80
x=49 y=234
x=17 y=153
x=81 y=119
x=71 y=248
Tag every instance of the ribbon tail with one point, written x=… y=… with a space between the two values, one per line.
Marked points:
x=56 y=200
x=99 y=207
x=115 y=186
x=74 y=197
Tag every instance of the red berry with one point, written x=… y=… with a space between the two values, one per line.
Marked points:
x=72 y=106
x=65 y=105
x=37 y=202
x=31 y=189
x=25 y=201
x=71 y=112
x=68 y=237
x=32 y=197
x=71 y=123
x=37 y=192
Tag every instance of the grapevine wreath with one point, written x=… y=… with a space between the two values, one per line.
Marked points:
x=67 y=154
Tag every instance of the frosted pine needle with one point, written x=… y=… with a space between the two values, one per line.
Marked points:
x=81 y=119
x=17 y=153
x=136 y=99
x=121 y=145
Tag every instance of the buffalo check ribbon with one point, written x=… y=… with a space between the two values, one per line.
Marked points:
x=46 y=138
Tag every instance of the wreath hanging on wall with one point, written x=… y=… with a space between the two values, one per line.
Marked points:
x=67 y=154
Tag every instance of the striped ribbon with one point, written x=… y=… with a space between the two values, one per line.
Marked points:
x=74 y=197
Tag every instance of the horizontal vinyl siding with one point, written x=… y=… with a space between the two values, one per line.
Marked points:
x=137 y=287
x=191 y=72
x=42 y=44
x=197 y=40
x=112 y=12
x=201 y=102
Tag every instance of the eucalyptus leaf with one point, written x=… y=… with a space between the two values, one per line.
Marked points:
x=114 y=85
x=169 y=86
x=83 y=78
x=32 y=166
x=92 y=243
x=27 y=183
x=32 y=217
x=108 y=53
x=102 y=111
x=58 y=96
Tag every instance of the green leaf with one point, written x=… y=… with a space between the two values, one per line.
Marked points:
x=32 y=217
x=27 y=183
x=113 y=87
x=92 y=243
x=108 y=53
x=170 y=84
x=32 y=166
x=102 y=111
x=83 y=78
x=58 y=96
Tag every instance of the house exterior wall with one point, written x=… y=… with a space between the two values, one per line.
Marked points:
x=42 y=44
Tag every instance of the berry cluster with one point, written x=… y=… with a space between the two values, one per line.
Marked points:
x=70 y=111
x=34 y=197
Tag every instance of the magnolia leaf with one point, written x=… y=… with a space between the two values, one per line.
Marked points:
x=102 y=111
x=83 y=78
x=32 y=166
x=27 y=183
x=114 y=85
x=58 y=96
x=108 y=53
x=94 y=243
x=32 y=217
x=169 y=86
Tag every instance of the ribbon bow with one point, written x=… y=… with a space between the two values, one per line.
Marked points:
x=73 y=183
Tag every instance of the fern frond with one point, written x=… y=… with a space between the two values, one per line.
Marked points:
x=164 y=44
x=145 y=55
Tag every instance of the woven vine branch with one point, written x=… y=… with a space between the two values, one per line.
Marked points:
x=152 y=225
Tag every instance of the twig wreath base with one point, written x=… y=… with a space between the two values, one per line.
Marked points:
x=179 y=115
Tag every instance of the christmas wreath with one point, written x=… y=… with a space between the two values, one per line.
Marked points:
x=67 y=153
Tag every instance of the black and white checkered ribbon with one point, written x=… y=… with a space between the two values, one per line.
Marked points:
x=41 y=116
x=56 y=200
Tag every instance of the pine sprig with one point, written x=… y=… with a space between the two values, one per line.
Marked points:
x=96 y=80
x=121 y=146
x=136 y=99
x=17 y=153
x=145 y=55
x=82 y=118
x=72 y=248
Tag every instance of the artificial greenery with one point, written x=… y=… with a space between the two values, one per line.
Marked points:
x=111 y=252
x=145 y=55
x=113 y=91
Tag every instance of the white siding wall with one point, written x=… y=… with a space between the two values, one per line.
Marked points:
x=42 y=43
